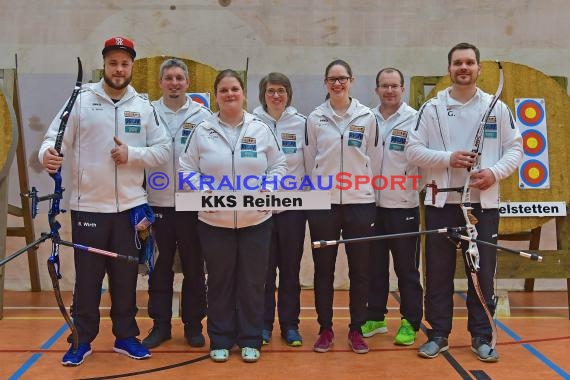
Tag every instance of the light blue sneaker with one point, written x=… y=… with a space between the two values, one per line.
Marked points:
x=73 y=358
x=250 y=354
x=482 y=348
x=433 y=347
x=220 y=355
x=131 y=347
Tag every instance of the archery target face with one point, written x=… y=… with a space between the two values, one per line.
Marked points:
x=533 y=173
x=201 y=98
x=534 y=142
x=530 y=112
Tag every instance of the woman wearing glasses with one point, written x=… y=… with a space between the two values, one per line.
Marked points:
x=342 y=140
x=275 y=95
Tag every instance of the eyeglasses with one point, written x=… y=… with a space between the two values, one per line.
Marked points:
x=390 y=86
x=333 y=80
x=272 y=91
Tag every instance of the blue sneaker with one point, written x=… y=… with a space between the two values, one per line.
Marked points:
x=73 y=357
x=131 y=347
x=293 y=338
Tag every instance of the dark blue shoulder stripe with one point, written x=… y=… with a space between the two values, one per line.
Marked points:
x=420 y=112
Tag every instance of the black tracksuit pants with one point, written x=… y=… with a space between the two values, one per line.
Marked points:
x=110 y=232
x=440 y=270
x=177 y=230
x=354 y=220
x=287 y=240
x=236 y=261
x=406 y=256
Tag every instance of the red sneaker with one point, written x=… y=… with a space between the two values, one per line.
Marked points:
x=325 y=341
x=356 y=342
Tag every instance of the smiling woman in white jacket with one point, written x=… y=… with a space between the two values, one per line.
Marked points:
x=235 y=244
x=275 y=95
x=342 y=136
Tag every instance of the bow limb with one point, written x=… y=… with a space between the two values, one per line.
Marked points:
x=53 y=268
x=53 y=261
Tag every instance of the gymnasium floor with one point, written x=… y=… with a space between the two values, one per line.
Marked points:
x=534 y=343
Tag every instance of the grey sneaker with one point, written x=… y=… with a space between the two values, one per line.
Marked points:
x=482 y=348
x=433 y=347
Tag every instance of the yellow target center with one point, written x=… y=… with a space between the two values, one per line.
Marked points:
x=532 y=142
x=530 y=113
x=534 y=173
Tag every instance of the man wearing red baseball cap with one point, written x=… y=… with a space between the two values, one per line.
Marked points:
x=112 y=134
x=118 y=56
x=120 y=43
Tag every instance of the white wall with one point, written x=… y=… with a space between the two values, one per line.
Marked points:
x=296 y=37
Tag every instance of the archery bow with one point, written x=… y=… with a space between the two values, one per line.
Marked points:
x=53 y=263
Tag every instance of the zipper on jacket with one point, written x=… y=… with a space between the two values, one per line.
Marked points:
x=342 y=147
x=173 y=141
x=341 y=161
x=234 y=181
x=233 y=148
x=173 y=146
x=116 y=174
x=384 y=138
x=174 y=174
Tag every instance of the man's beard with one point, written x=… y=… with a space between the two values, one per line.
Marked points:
x=110 y=83
x=471 y=79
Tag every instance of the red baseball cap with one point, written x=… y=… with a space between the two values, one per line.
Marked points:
x=121 y=43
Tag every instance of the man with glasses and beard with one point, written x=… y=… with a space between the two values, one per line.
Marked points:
x=112 y=134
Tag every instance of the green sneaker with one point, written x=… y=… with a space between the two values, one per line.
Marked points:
x=406 y=335
x=371 y=328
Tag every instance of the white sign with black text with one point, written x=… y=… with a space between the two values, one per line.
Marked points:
x=525 y=209
x=240 y=201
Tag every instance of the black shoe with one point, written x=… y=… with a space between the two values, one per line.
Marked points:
x=196 y=339
x=194 y=335
x=157 y=336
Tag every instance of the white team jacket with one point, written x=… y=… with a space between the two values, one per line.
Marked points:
x=191 y=114
x=394 y=166
x=290 y=132
x=209 y=153
x=349 y=146
x=98 y=185
x=502 y=147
